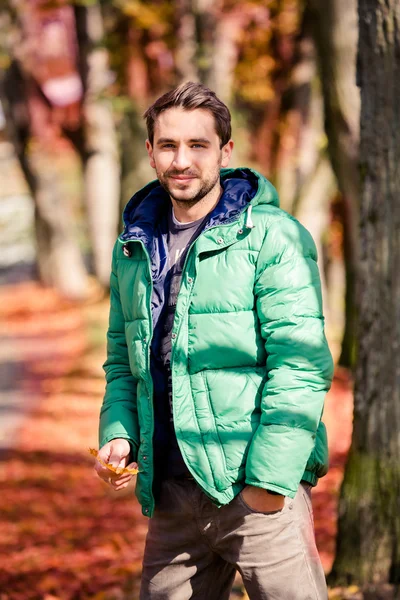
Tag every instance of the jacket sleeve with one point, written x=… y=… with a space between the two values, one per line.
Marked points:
x=118 y=415
x=299 y=363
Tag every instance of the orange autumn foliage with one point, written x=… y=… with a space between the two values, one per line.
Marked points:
x=64 y=534
x=116 y=470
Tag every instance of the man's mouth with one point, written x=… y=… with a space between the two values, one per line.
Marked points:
x=182 y=177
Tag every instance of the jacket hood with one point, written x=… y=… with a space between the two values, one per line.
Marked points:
x=243 y=189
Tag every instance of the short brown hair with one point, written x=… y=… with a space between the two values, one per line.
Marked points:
x=190 y=96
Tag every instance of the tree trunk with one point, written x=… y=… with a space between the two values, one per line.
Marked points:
x=299 y=153
x=59 y=260
x=186 y=51
x=369 y=524
x=135 y=168
x=220 y=77
x=197 y=35
x=101 y=154
x=313 y=212
x=335 y=33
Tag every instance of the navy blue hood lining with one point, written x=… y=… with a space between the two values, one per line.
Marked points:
x=149 y=206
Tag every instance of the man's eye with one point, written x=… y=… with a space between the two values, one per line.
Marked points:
x=198 y=146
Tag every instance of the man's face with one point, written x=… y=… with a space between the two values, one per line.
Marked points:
x=186 y=153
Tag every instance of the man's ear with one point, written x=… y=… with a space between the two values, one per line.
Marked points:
x=150 y=152
x=226 y=152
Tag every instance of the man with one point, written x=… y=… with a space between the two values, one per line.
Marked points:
x=217 y=367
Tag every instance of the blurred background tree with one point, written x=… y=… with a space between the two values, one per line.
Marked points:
x=80 y=74
x=104 y=62
x=54 y=92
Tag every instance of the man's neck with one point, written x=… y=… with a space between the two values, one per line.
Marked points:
x=185 y=212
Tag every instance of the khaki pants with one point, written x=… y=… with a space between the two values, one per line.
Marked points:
x=193 y=548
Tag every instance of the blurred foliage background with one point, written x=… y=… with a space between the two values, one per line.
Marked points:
x=77 y=77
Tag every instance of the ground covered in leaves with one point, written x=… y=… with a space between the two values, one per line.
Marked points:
x=63 y=533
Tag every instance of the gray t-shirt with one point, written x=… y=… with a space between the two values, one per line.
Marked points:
x=180 y=238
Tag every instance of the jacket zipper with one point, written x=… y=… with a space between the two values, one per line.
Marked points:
x=186 y=260
x=150 y=380
x=177 y=335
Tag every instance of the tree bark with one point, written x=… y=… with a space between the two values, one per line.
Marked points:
x=335 y=32
x=369 y=524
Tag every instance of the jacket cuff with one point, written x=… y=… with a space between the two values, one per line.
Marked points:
x=270 y=487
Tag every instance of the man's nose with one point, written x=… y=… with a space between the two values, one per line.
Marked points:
x=182 y=158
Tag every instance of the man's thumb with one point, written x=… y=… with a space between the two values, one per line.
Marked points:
x=115 y=457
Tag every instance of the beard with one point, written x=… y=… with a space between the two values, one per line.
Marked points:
x=204 y=184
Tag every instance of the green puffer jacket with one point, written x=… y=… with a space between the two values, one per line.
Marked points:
x=250 y=362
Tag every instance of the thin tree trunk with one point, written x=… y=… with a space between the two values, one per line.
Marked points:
x=101 y=154
x=135 y=168
x=335 y=33
x=299 y=152
x=59 y=258
x=313 y=212
x=288 y=139
x=186 y=51
x=220 y=76
x=369 y=525
x=198 y=36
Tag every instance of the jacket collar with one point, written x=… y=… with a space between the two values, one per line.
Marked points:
x=147 y=207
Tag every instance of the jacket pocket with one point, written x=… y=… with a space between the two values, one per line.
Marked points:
x=234 y=398
x=273 y=514
x=213 y=445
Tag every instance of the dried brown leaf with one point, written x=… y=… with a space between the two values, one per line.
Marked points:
x=116 y=470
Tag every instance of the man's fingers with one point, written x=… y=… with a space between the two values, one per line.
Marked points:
x=124 y=476
x=123 y=479
x=101 y=471
x=116 y=460
x=105 y=452
x=119 y=455
x=105 y=474
x=114 y=453
x=120 y=485
x=132 y=465
x=108 y=476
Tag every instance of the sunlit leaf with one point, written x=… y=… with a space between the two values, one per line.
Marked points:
x=116 y=470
